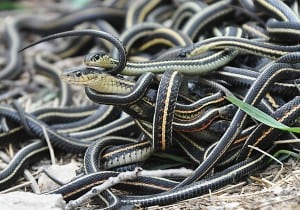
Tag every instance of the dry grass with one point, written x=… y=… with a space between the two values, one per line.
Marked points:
x=260 y=193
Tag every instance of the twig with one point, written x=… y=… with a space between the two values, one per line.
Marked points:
x=34 y=185
x=183 y=172
x=51 y=151
x=211 y=197
x=296 y=178
x=272 y=157
x=28 y=105
x=23 y=184
x=4 y=157
x=14 y=188
x=10 y=151
x=288 y=141
x=262 y=181
x=128 y=175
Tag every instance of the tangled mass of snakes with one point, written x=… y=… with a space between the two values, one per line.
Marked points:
x=155 y=78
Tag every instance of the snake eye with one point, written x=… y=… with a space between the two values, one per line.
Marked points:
x=78 y=74
x=96 y=57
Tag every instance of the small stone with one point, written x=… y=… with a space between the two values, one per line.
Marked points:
x=31 y=201
x=232 y=205
x=277 y=190
x=63 y=173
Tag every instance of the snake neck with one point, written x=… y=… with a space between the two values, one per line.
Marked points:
x=111 y=85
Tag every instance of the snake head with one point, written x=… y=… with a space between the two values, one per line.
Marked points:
x=100 y=59
x=97 y=79
x=81 y=75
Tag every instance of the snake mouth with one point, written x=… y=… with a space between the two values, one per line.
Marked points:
x=71 y=79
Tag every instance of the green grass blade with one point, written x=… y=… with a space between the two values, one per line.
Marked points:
x=77 y=4
x=287 y=153
x=7 y=5
x=282 y=155
x=261 y=116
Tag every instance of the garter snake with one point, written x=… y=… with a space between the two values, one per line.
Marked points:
x=43 y=62
x=277 y=9
x=138 y=12
x=235 y=172
x=244 y=45
x=134 y=33
x=207 y=17
x=194 y=65
x=71 y=120
x=119 y=151
x=141 y=185
x=255 y=93
x=286 y=27
x=287 y=114
x=35 y=149
x=167 y=92
x=19 y=161
x=102 y=87
x=120 y=127
x=184 y=12
x=82 y=75
x=94 y=33
x=245 y=77
x=198 y=65
x=37 y=126
x=190 y=111
x=44 y=26
x=165 y=37
x=50 y=116
x=98 y=80
x=13 y=66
